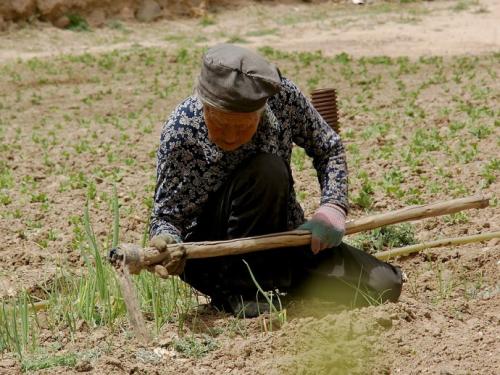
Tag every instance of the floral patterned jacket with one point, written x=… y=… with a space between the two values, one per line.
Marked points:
x=190 y=166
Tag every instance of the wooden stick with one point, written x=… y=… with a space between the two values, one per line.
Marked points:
x=146 y=257
x=416 y=213
x=407 y=250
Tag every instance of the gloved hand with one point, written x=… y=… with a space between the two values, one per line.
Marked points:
x=174 y=263
x=327 y=227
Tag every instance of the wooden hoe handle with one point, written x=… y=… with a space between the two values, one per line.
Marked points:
x=137 y=258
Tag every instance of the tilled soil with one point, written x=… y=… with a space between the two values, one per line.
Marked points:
x=72 y=126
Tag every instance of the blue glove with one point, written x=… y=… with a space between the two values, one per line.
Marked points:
x=327 y=227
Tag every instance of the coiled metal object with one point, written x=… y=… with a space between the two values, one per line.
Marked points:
x=325 y=102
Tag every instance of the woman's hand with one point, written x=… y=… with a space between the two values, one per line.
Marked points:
x=175 y=262
x=327 y=227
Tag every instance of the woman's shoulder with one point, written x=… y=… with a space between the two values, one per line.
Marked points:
x=289 y=91
x=188 y=113
x=185 y=125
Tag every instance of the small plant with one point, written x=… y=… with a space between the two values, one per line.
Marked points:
x=207 y=20
x=279 y=314
x=116 y=25
x=262 y=32
x=191 y=346
x=446 y=283
x=456 y=218
x=387 y=237
x=364 y=198
x=237 y=39
x=391 y=183
x=462 y=5
x=48 y=361
x=490 y=172
x=17 y=325
x=77 y=23
x=298 y=158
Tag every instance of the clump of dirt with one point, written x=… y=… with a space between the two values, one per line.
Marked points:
x=133 y=309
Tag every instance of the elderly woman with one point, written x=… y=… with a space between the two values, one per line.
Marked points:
x=224 y=172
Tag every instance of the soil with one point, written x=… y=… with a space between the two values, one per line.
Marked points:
x=58 y=120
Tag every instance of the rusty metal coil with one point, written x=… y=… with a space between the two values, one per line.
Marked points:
x=325 y=102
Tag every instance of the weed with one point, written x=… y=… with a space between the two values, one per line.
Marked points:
x=456 y=218
x=207 y=20
x=191 y=346
x=39 y=198
x=18 y=325
x=391 y=183
x=5 y=199
x=6 y=178
x=281 y=313
x=262 y=32
x=446 y=283
x=490 y=171
x=480 y=131
x=386 y=237
x=48 y=361
x=466 y=153
x=298 y=158
x=364 y=198
x=463 y=5
x=301 y=195
x=235 y=39
x=117 y=25
x=77 y=23
x=342 y=58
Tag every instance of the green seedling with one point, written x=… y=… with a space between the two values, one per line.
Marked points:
x=78 y=23
x=279 y=313
x=385 y=238
x=457 y=218
x=191 y=346
x=490 y=171
x=298 y=158
x=37 y=363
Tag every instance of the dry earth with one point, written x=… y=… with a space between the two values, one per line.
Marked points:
x=429 y=28
x=63 y=117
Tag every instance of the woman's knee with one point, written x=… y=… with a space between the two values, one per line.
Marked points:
x=386 y=281
x=269 y=170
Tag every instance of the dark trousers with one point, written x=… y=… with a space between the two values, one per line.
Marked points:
x=254 y=202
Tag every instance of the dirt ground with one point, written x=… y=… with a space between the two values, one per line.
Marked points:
x=80 y=110
x=429 y=28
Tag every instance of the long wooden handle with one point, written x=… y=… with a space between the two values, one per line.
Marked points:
x=299 y=237
x=141 y=258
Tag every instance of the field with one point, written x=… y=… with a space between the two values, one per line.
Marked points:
x=80 y=116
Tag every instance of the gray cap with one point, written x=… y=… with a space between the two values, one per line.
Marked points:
x=236 y=79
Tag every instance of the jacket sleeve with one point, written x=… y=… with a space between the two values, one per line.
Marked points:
x=167 y=213
x=320 y=142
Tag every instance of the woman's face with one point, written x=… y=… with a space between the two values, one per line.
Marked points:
x=230 y=130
